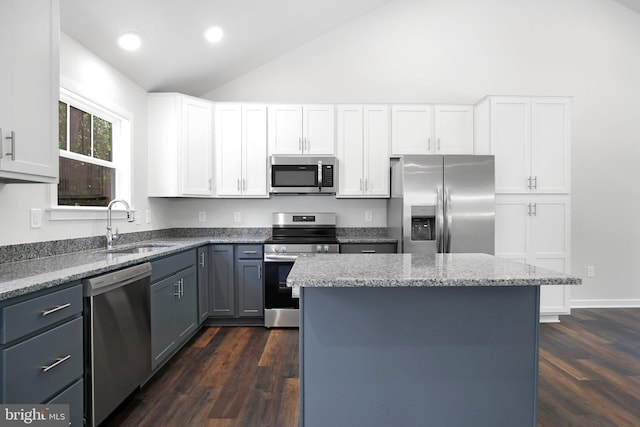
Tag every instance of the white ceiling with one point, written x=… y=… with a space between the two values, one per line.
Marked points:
x=174 y=55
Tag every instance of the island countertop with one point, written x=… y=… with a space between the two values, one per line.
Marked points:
x=411 y=270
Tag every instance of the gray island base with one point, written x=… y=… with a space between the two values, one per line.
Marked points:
x=407 y=340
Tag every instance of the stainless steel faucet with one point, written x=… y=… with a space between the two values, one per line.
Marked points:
x=111 y=236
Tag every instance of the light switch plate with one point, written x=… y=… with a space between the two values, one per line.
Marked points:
x=36 y=218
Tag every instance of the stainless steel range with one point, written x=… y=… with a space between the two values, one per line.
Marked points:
x=293 y=235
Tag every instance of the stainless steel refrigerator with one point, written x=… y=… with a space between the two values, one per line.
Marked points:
x=443 y=204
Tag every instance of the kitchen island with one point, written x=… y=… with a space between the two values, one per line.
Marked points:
x=419 y=340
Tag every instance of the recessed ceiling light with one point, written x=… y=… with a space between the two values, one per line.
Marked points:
x=130 y=41
x=214 y=34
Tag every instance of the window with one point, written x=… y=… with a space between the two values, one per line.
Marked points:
x=94 y=159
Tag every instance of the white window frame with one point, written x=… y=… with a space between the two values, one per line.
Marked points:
x=121 y=158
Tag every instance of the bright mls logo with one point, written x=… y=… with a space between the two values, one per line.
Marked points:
x=34 y=415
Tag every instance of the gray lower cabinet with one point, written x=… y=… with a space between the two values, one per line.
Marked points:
x=222 y=301
x=174 y=304
x=203 y=284
x=41 y=350
x=249 y=280
x=368 y=248
x=236 y=281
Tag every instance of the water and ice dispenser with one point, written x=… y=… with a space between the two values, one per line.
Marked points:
x=423 y=223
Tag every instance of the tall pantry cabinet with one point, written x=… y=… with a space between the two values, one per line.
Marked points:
x=530 y=138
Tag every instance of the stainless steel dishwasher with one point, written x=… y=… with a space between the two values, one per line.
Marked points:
x=118 y=349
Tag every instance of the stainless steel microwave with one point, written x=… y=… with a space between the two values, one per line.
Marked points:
x=302 y=175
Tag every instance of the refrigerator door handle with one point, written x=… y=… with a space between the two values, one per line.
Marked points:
x=439 y=220
x=448 y=221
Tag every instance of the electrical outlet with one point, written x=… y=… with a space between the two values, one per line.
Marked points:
x=591 y=271
x=202 y=216
x=36 y=218
x=237 y=217
x=148 y=214
x=368 y=216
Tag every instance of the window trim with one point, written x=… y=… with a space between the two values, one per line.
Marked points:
x=122 y=122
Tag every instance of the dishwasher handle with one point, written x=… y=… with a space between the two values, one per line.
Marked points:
x=116 y=279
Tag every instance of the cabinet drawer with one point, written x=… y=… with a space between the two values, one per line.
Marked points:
x=169 y=265
x=29 y=316
x=23 y=365
x=249 y=251
x=367 y=248
x=74 y=397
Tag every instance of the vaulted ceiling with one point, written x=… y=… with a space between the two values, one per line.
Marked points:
x=174 y=55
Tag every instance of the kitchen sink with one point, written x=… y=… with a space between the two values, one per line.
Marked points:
x=139 y=249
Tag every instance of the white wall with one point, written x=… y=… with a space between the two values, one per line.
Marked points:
x=85 y=74
x=459 y=51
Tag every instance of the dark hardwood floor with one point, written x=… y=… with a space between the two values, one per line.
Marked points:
x=243 y=376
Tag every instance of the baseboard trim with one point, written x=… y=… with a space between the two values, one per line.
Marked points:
x=605 y=303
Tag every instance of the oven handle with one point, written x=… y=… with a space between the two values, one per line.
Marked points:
x=280 y=258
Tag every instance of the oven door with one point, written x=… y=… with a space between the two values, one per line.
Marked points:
x=280 y=307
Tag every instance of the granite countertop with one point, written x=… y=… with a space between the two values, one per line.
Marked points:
x=24 y=277
x=405 y=270
x=366 y=239
x=31 y=275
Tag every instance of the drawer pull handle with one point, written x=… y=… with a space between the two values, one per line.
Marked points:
x=58 y=308
x=56 y=363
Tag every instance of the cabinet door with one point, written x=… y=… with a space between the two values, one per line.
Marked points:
x=197 y=144
x=186 y=304
x=411 y=129
x=550 y=140
x=453 y=129
x=203 y=284
x=350 y=151
x=228 y=149
x=29 y=90
x=376 y=151
x=550 y=248
x=510 y=143
x=254 y=139
x=512 y=229
x=163 y=332
x=285 y=129
x=250 y=287
x=221 y=281
x=318 y=130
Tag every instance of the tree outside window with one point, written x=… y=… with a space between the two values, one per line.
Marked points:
x=87 y=171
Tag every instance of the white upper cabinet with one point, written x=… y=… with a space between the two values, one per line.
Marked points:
x=180 y=146
x=453 y=129
x=363 y=150
x=301 y=129
x=530 y=138
x=427 y=129
x=29 y=90
x=550 y=145
x=241 y=150
x=411 y=129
